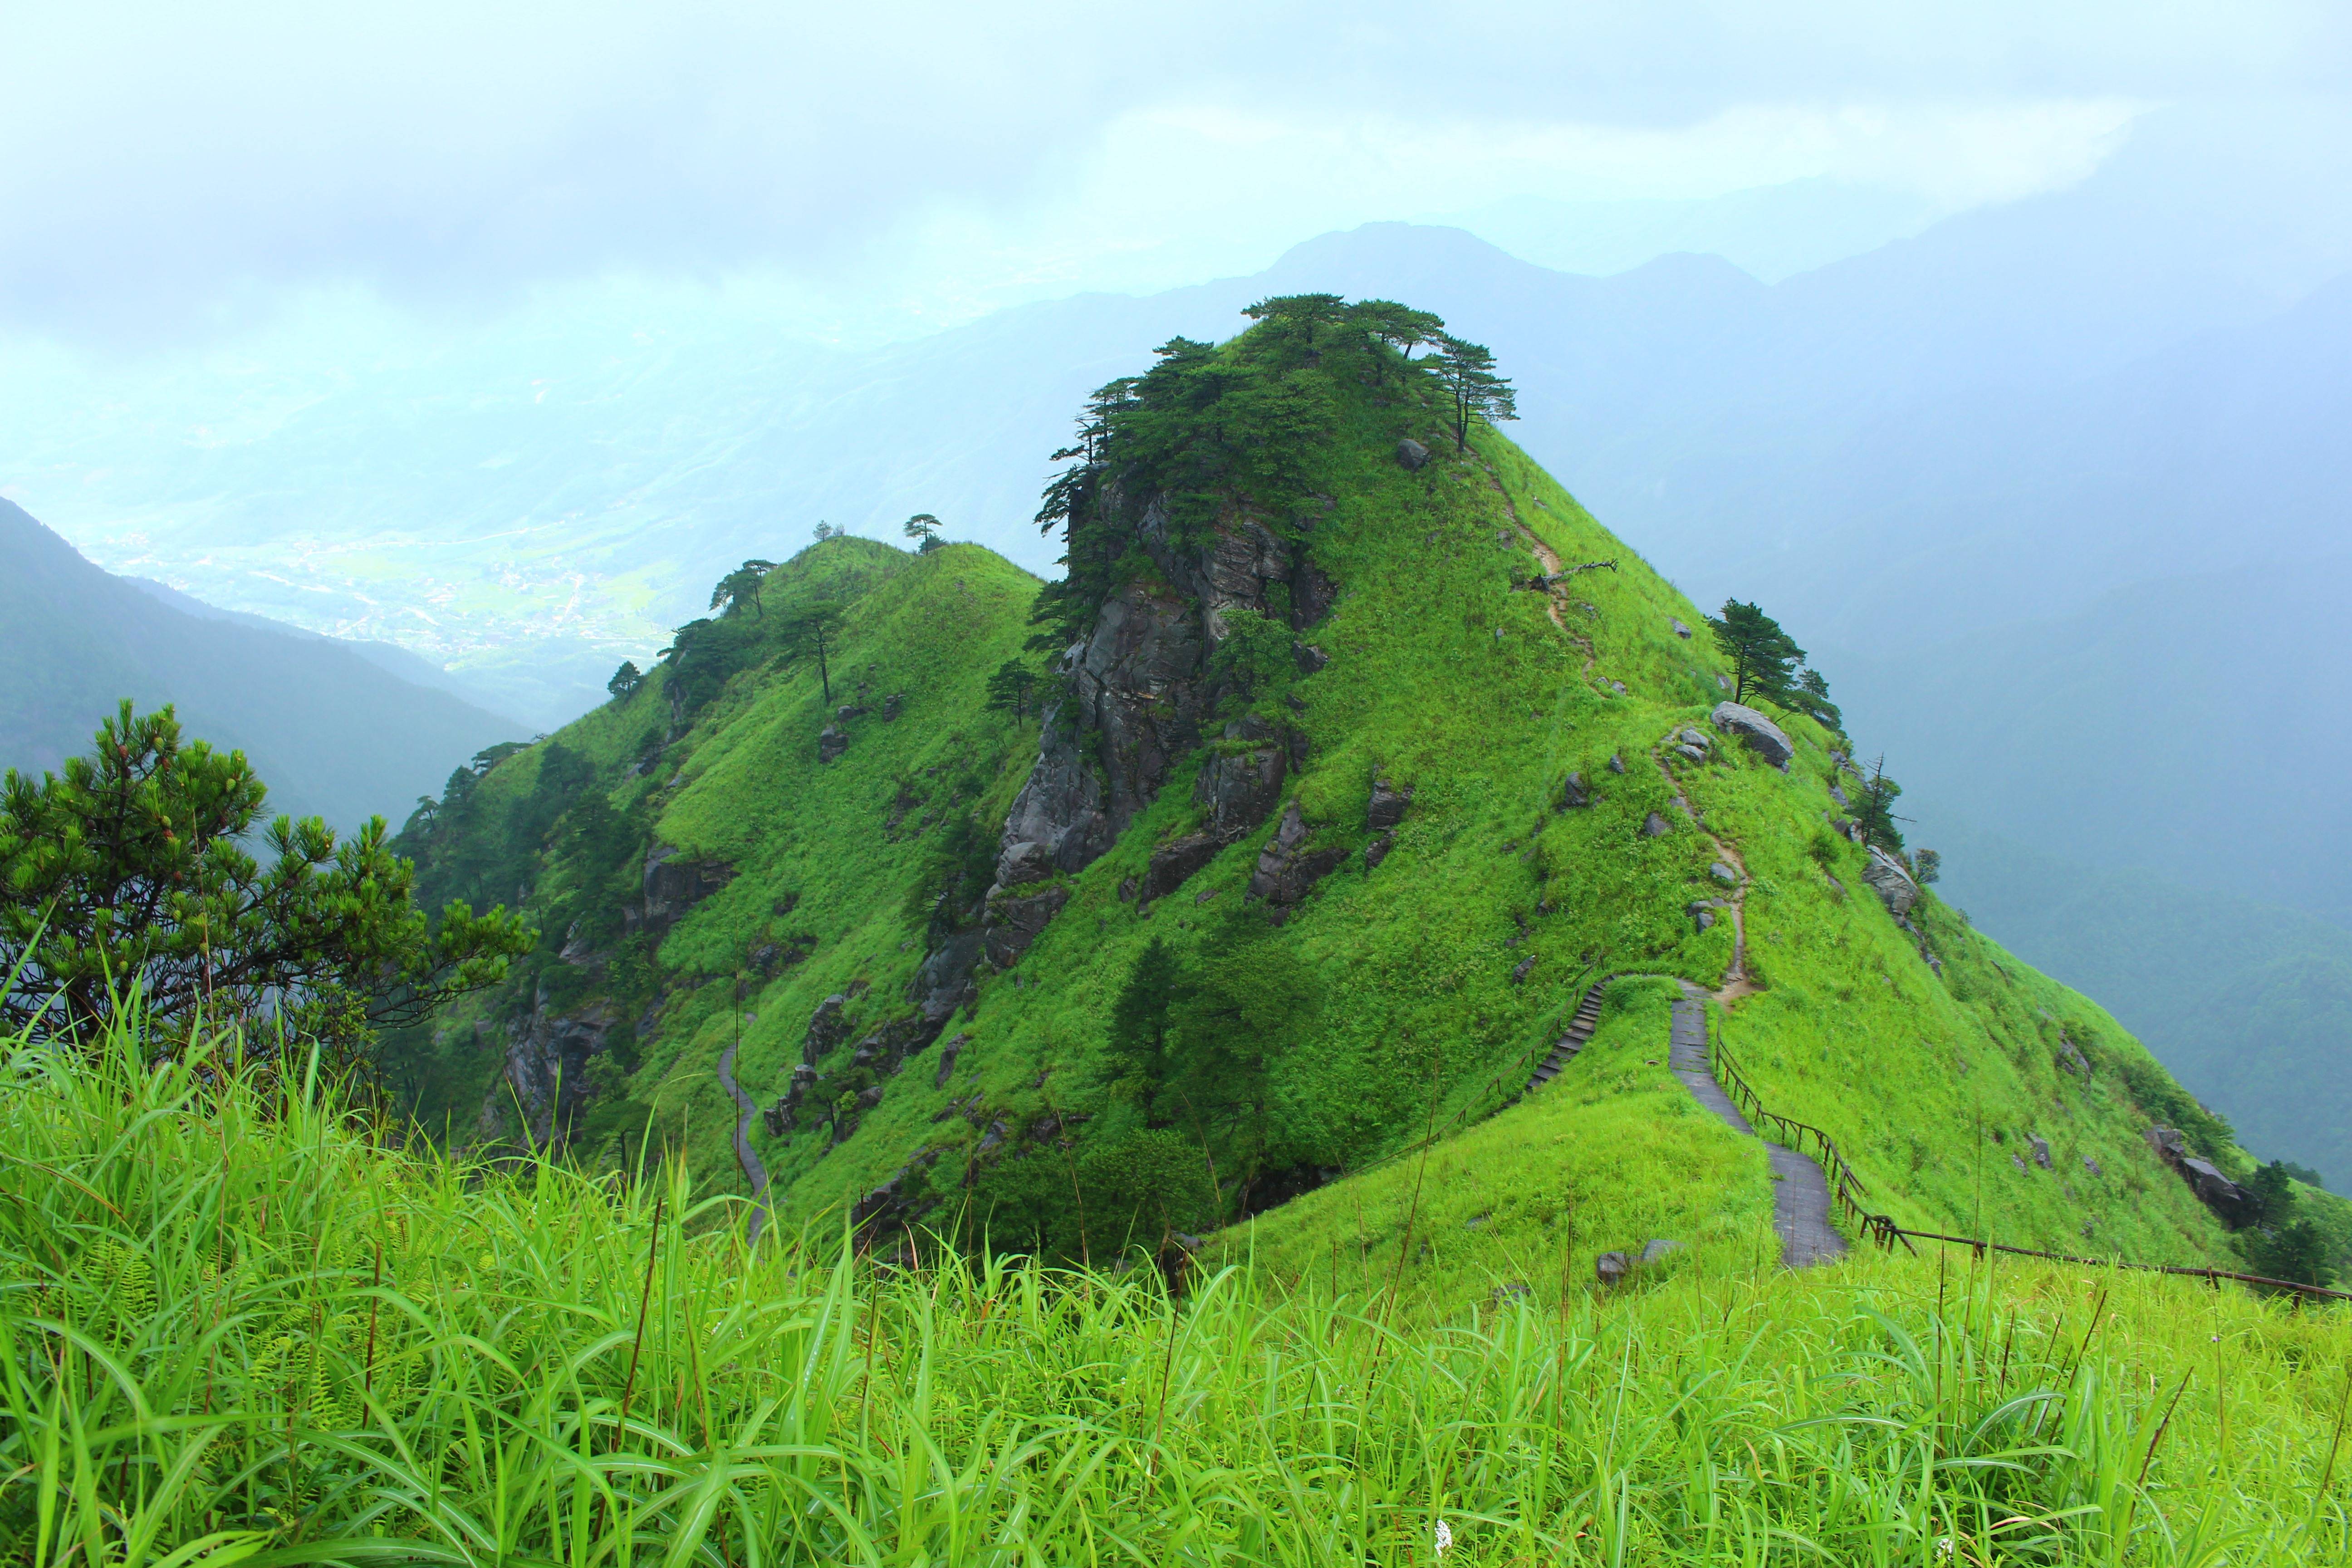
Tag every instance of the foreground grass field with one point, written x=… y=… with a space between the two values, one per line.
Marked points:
x=234 y=1329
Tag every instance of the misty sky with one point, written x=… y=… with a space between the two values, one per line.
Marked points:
x=175 y=175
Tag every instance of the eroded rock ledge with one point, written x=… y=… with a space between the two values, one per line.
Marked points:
x=1138 y=698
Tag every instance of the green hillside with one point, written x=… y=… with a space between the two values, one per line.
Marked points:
x=2253 y=1024
x=343 y=731
x=1153 y=965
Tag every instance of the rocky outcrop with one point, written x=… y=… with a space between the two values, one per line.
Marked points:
x=1891 y=882
x=1655 y=826
x=1386 y=807
x=1173 y=863
x=948 y=1055
x=944 y=982
x=1238 y=789
x=1412 y=454
x=831 y=743
x=2233 y=1204
x=828 y=1026
x=893 y=1206
x=1287 y=868
x=1312 y=594
x=546 y=1072
x=1015 y=920
x=1573 y=795
x=673 y=884
x=1762 y=735
x=1137 y=692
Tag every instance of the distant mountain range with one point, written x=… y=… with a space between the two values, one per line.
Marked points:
x=335 y=729
x=2054 y=489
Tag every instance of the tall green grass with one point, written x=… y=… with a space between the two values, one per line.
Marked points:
x=237 y=1328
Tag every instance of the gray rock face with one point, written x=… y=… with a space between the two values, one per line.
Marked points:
x=1616 y=763
x=831 y=742
x=2040 y=1147
x=1135 y=682
x=1014 y=922
x=1378 y=850
x=1387 y=806
x=1573 y=795
x=828 y=1027
x=1682 y=631
x=1762 y=735
x=947 y=1054
x=1891 y=882
x=1175 y=863
x=1610 y=1267
x=1308 y=657
x=892 y=706
x=943 y=984
x=1519 y=970
x=1412 y=454
x=1724 y=874
x=1659 y=1248
x=1241 y=789
x=1312 y=594
x=1024 y=860
x=1287 y=868
x=546 y=1073
x=1655 y=826
x=673 y=885
x=2231 y=1204
x=1838 y=796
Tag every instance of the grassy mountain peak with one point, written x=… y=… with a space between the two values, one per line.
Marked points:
x=1288 y=829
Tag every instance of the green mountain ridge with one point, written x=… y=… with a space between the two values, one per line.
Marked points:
x=339 y=731
x=1364 y=758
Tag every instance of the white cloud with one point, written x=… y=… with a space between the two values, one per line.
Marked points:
x=164 y=167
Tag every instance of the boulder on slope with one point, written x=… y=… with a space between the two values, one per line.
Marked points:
x=1762 y=736
x=1891 y=882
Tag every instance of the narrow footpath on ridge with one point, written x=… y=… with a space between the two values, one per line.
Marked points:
x=1800 y=1192
x=754 y=1170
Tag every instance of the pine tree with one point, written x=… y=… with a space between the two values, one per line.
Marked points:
x=1465 y=370
x=626 y=681
x=1009 y=689
x=1141 y=1023
x=1874 y=810
x=125 y=881
x=742 y=587
x=924 y=530
x=812 y=632
x=1764 y=658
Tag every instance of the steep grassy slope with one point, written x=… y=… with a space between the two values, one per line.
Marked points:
x=2250 y=1004
x=1211 y=979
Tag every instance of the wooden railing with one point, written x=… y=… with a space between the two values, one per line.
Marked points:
x=1848 y=1189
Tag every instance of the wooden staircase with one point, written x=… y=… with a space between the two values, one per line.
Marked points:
x=1579 y=1029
